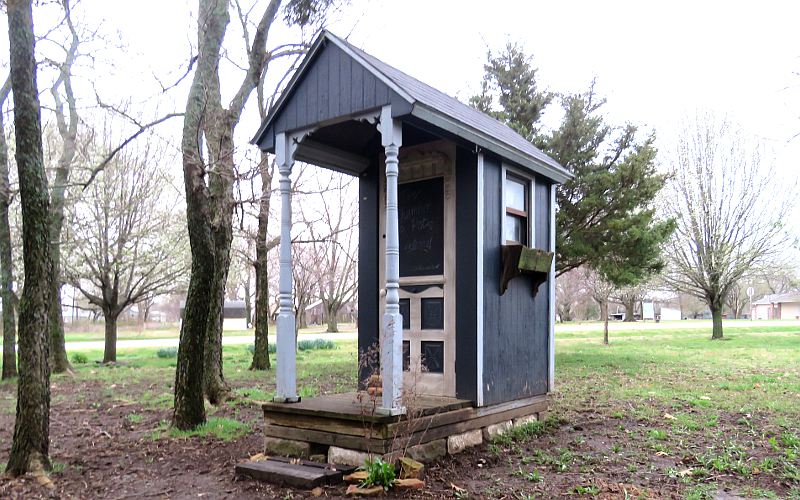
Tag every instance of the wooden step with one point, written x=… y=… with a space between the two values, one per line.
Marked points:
x=302 y=474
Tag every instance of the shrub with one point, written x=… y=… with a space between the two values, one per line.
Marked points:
x=167 y=352
x=316 y=344
x=79 y=358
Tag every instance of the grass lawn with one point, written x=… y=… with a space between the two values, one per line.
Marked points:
x=95 y=332
x=662 y=412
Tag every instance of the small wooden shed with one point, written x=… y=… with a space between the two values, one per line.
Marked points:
x=456 y=233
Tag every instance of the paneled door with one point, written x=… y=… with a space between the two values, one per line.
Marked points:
x=426 y=211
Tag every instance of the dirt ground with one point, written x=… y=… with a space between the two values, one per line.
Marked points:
x=100 y=453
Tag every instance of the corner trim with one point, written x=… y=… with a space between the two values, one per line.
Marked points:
x=479 y=283
x=552 y=299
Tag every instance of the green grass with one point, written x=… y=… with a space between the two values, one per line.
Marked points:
x=224 y=429
x=132 y=332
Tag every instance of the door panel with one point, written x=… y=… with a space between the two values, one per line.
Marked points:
x=426 y=206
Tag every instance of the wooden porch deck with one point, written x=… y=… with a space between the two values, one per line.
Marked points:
x=350 y=420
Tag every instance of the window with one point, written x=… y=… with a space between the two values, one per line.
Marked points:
x=515 y=227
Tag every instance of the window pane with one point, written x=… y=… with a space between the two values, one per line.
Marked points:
x=516 y=229
x=515 y=194
x=432 y=356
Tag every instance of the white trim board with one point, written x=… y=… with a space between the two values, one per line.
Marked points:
x=479 y=283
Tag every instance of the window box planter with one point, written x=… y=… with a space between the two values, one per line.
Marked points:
x=519 y=260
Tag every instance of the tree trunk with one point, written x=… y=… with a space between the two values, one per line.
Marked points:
x=220 y=185
x=261 y=348
x=261 y=320
x=630 y=310
x=58 y=353
x=333 y=323
x=604 y=315
x=332 y=318
x=59 y=362
x=30 y=447
x=248 y=306
x=189 y=411
x=110 y=351
x=6 y=258
x=716 y=319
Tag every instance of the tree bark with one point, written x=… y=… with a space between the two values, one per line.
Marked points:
x=6 y=258
x=110 y=351
x=220 y=183
x=189 y=410
x=68 y=130
x=261 y=320
x=716 y=320
x=604 y=315
x=30 y=447
x=630 y=308
x=333 y=323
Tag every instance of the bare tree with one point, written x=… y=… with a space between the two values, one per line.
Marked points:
x=67 y=123
x=729 y=209
x=570 y=292
x=601 y=290
x=6 y=258
x=125 y=245
x=30 y=447
x=334 y=247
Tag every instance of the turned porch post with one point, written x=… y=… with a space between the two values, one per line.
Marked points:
x=286 y=380
x=392 y=332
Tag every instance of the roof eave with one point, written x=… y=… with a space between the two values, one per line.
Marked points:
x=559 y=175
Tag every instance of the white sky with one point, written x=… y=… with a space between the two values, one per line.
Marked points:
x=654 y=61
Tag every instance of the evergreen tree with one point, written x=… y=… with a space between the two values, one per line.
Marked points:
x=605 y=218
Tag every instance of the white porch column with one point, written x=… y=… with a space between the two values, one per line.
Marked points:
x=286 y=380
x=392 y=332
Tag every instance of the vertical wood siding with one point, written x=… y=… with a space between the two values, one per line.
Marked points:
x=466 y=284
x=334 y=86
x=516 y=323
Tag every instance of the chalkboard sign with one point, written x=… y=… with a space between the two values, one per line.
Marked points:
x=421 y=218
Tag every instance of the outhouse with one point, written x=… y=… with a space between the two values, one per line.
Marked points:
x=456 y=243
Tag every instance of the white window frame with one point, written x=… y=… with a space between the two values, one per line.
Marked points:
x=518 y=174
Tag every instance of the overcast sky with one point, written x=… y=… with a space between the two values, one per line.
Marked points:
x=654 y=61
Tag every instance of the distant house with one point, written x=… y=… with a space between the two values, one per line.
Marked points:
x=777 y=306
x=315 y=313
x=234 y=315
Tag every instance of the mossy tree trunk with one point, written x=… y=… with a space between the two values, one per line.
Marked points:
x=189 y=405
x=6 y=259
x=30 y=447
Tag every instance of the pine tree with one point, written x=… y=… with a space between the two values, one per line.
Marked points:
x=605 y=217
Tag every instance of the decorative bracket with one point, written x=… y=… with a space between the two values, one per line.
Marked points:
x=520 y=260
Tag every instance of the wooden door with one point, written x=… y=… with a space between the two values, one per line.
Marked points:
x=426 y=207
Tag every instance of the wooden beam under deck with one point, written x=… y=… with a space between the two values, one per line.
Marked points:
x=341 y=420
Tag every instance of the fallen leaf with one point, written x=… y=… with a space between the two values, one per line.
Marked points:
x=667 y=416
x=316 y=492
x=257 y=457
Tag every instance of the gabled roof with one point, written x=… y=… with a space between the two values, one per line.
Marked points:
x=434 y=107
x=778 y=298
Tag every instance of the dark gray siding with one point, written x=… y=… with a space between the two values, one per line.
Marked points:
x=368 y=209
x=515 y=329
x=466 y=283
x=334 y=86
